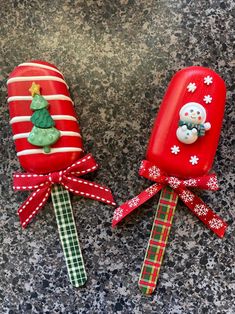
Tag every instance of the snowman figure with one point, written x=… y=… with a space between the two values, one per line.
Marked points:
x=192 y=123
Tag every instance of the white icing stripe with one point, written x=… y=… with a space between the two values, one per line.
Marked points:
x=47 y=97
x=36 y=78
x=39 y=65
x=62 y=133
x=54 y=117
x=53 y=150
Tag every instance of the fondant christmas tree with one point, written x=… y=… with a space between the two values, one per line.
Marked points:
x=43 y=133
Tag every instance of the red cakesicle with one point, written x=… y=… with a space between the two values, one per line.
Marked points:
x=41 y=80
x=49 y=147
x=182 y=144
x=54 y=89
x=186 y=131
x=179 y=156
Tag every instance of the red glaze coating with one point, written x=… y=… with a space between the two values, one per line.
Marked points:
x=163 y=136
x=41 y=162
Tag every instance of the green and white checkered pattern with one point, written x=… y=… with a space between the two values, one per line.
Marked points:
x=68 y=235
x=158 y=240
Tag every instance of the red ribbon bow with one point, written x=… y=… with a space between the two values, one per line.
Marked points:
x=194 y=203
x=69 y=178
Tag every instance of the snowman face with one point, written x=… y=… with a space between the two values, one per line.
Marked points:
x=193 y=112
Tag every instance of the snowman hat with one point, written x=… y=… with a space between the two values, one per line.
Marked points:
x=198 y=106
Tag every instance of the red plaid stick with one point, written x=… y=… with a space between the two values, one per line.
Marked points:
x=158 y=240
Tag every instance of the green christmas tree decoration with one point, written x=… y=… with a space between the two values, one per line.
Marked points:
x=38 y=102
x=42 y=119
x=43 y=133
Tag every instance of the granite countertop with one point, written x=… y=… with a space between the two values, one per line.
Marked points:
x=117 y=57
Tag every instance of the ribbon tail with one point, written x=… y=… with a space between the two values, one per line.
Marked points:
x=158 y=240
x=203 y=212
x=68 y=235
x=32 y=205
x=128 y=207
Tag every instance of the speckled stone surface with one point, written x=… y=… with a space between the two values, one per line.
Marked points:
x=118 y=57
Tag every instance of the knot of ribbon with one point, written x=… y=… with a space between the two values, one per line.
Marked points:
x=55 y=177
x=69 y=178
x=152 y=172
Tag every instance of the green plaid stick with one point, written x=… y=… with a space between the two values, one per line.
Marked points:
x=158 y=240
x=68 y=235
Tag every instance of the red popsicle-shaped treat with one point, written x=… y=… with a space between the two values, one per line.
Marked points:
x=49 y=147
x=180 y=154
x=67 y=147
x=187 y=128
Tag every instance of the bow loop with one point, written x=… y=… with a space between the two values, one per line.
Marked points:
x=29 y=181
x=206 y=182
x=151 y=171
x=83 y=166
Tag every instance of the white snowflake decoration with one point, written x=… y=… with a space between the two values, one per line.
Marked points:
x=175 y=149
x=201 y=210
x=134 y=202
x=117 y=213
x=194 y=160
x=154 y=172
x=213 y=184
x=215 y=223
x=190 y=182
x=187 y=196
x=208 y=80
x=207 y=99
x=152 y=189
x=174 y=182
x=191 y=87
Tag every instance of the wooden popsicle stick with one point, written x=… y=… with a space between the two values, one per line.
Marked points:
x=158 y=240
x=68 y=235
